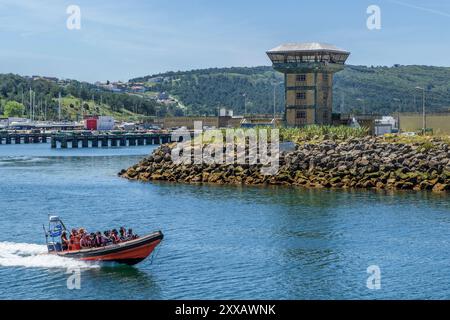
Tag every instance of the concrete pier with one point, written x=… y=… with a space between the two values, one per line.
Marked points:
x=66 y=140
x=109 y=139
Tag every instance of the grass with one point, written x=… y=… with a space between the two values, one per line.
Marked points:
x=71 y=108
x=310 y=134
x=317 y=133
x=425 y=142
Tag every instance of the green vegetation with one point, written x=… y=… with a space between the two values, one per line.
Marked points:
x=45 y=94
x=74 y=108
x=203 y=92
x=357 y=89
x=13 y=109
x=425 y=142
x=317 y=133
x=391 y=89
x=308 y=134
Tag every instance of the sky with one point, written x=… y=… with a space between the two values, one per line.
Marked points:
x=119 y=40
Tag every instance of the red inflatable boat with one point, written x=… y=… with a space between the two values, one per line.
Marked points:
x=128 y=252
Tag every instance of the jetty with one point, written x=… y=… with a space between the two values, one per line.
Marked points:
x=105 y=140
x=18 y=138
x=65 y=140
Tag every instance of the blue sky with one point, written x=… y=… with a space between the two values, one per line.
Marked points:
x=119 y=40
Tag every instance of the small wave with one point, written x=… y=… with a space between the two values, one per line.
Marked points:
x=35 y=256
x=20 y=159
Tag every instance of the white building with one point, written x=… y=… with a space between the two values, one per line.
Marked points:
x=385 y=125
x=105 y=123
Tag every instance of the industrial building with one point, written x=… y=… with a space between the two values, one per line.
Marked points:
x=100 y=123
x=308 y=70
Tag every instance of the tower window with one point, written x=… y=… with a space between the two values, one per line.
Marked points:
x=325 y=77
x=301 y=114
x=325 y=115
x=301 y=77
x=301 y=95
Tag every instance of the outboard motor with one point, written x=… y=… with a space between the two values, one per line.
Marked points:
x=54 y=247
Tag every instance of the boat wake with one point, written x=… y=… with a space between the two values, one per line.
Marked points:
x=14 y=160
x=35 y=256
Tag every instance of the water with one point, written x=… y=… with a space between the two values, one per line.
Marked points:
x=221 y=242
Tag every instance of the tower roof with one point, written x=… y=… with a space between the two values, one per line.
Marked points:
x=307 y=47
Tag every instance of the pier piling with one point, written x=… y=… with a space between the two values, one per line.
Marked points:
x=94 y=141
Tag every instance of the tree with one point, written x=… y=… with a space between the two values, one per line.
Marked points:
x=14 y=109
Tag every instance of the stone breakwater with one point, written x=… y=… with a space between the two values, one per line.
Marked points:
x=355 y=163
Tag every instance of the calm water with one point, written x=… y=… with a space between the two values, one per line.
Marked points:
x=221 y=242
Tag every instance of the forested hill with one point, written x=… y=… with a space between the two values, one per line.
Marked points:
x=379 y=90
x=78 y=98
x=357 y=89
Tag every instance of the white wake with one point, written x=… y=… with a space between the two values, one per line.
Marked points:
x=35 y=256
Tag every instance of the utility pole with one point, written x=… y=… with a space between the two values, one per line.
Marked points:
x=30 y=104
x=34 y=103
x=424 y=116
x=59 y=107
x=245 y=103
x=398 y=113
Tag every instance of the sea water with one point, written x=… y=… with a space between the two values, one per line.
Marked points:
x=221 y=242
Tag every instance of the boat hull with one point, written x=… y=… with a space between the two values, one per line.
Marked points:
x=130 y=252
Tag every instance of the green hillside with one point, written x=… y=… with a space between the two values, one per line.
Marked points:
x=78 y=99
x=357 y=89
x=380 y=90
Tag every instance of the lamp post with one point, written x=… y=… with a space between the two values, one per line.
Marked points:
x=398 y=113
x=424 y=117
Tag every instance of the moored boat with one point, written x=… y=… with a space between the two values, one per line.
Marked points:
x=128 y=252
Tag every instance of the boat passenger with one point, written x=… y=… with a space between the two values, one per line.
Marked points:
x=92 y=239
x=73 y=233
x=115 y=236
x=84 y=242
x=99 y=240
x=64 y=241
x=130 y=235
x=123 y=234
x=74 y=240
x=108 y=239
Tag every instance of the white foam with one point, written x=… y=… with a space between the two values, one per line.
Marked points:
x=35 y=256
x=20 y=159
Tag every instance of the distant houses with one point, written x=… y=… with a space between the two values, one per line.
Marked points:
x=123 y=87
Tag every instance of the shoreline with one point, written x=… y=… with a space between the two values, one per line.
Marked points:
x=354 y=163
